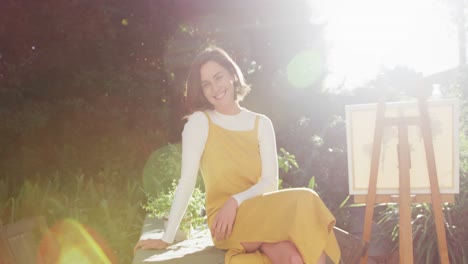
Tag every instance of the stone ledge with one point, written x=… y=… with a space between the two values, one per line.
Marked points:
x=198 y=249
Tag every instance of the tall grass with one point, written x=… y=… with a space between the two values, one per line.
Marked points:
x=113 y=211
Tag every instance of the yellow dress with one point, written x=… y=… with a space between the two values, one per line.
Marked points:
x=231 y=164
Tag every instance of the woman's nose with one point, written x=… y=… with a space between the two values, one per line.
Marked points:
x=216 y=87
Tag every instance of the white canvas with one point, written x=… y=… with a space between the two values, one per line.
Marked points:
x=360 y=121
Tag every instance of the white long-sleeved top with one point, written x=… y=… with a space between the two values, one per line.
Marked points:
x=194 y=137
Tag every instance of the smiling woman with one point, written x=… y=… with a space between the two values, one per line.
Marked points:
x=235 y=151
x=366 y=36
x=218 y=87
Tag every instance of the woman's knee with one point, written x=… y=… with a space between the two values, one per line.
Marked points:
x=282 y=252
x=296 y=259
x=306 y=194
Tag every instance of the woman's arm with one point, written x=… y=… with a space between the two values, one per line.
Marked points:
x=269 y=179
x=193 y=143
x=194 y=138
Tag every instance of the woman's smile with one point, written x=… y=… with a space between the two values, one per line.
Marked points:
x=218 y=87
x=220 y=95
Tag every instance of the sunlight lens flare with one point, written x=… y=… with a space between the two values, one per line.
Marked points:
x=305 y=69
x=70 y=242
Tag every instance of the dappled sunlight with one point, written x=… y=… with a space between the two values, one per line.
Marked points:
x=70 y=242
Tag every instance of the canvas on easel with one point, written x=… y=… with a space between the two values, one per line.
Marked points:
x=393 y=149
x=360 y=125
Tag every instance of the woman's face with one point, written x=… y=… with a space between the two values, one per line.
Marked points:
x=218 y=87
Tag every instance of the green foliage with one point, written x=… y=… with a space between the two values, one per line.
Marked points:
x=425 y=244
x=312 y=185
x=163 y=167
x=322 y=158
x=286 y=161
x=160 y=206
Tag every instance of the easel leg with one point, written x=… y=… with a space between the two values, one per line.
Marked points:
x=406 y=233
x=434 y=182
x=374 y=171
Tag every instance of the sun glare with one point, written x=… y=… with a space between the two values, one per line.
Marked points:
x=69 y=241
x=366 y=36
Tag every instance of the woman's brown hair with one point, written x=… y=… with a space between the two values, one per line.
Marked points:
x=194 y=98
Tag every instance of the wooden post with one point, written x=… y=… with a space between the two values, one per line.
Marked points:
x=434 y=182
x=405 y=237
x=374 y=171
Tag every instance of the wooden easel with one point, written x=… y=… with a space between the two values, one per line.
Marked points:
x=405 y=199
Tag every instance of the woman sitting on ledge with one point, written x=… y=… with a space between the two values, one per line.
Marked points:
x=235 y=149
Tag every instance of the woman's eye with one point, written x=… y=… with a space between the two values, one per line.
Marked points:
x=219 y=77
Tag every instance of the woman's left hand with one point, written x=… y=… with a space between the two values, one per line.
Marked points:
x=151 y=244
x=224 y=220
